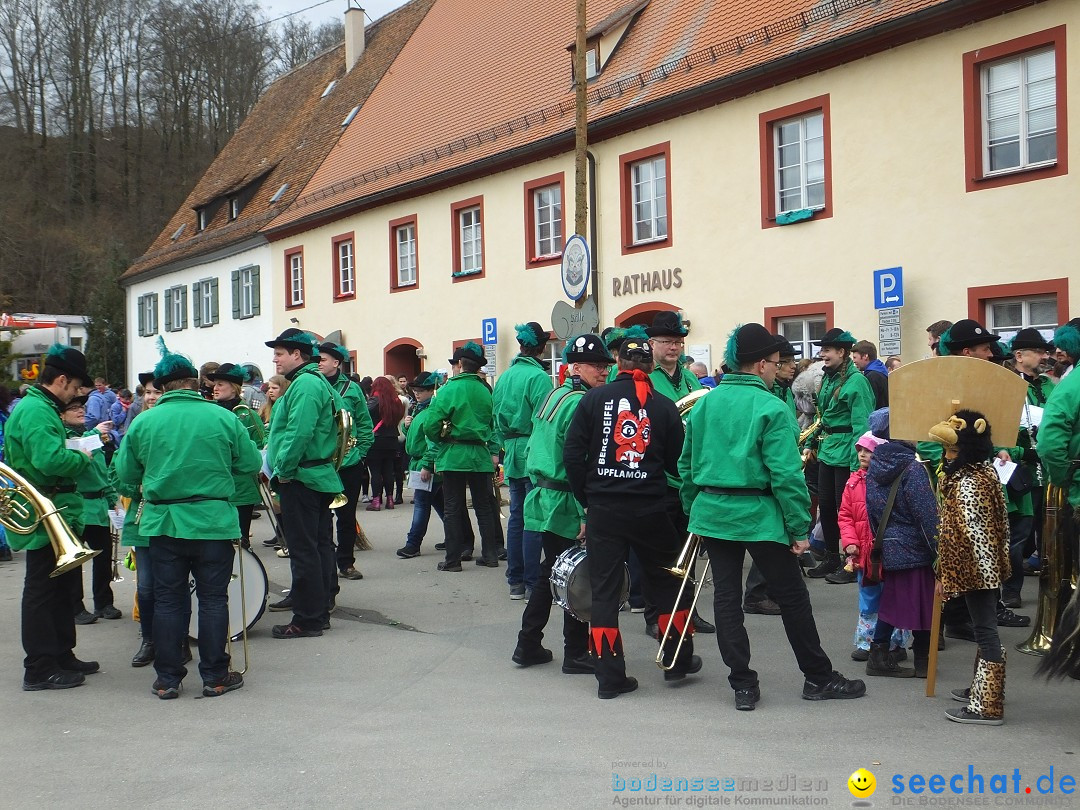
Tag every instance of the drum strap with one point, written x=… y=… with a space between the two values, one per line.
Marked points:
x=191 y=499
x=547 y=483
x=314 y=462
x=554 y=401
x=830 y=429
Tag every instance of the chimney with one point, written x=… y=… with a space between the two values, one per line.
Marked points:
x=354 y=35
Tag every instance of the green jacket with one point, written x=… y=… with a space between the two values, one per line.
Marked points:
x=1059 y=436
x=787 y=396
x=419 y=449
x=187 y=449
x=97 y=491
x=362 y=429
x=34 y=446
x=247 y=486
x=303 y=431
x=851 y=409
x=741 y=436
x=685 y=384
x=465 y=404
x=518 y=393
x=549 y=509
x=130 y=535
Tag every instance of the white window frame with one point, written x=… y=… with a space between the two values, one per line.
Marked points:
x=553 y=245
x=346 y=268
x=179 y=302
x=247 y=292
x=148 y=305
x=807 y=340
x=234 y=209
x=804 y=162
x=1022 y=111
x=1007 y=332
x=206 y=303
x=648 y=200
x=203 y=219
x=406 y=254
x=296 y=280
x=471 y=240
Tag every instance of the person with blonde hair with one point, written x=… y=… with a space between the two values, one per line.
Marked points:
x=276 y=386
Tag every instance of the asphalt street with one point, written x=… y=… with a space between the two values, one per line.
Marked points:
x=411 y=700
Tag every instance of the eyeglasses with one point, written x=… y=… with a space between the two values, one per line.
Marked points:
x=604 y=367
x=668 y=342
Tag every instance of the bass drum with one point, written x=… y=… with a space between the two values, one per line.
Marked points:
x=256 y=587
x=570 y=586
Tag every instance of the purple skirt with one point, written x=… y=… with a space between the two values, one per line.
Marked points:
x=907 y=599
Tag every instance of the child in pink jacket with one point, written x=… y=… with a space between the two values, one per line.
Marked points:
x=856 y=540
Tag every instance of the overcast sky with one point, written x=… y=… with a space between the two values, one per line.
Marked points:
x=328 y=10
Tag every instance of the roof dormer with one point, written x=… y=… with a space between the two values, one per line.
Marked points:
x=604 y=38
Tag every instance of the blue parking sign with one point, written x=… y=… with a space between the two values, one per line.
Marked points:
x=490 y=332
x=889 y=288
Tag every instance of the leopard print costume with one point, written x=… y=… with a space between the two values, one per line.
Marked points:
x=973 y=542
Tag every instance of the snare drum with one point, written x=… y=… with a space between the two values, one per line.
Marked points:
x=570 y=586
x=256 y=587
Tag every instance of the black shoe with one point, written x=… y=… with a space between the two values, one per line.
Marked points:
x=440 y=546
x=145 y=655
x=1011 y=601
x=678 y=674
x=653 y=631
x=466 y=556
x=582 y=665
x=108 y=612
x=280 y=607
x=700 y=625
x=164 y=691
x=830 y=564
x=332 y=606
x=628 y=685
x=5 y=554
x=859 y=654
x=524 y=657
x=58 y=680
x=73 y=664
x=408 y=552
x=449 y=566
x=746 y=699
x=351 y=573
x=232 y=681
x=85 y=617
x=837 y=687
x=502 y=554
x=766 y=607
x=962 y=715
x=271 y=542
x=326 y=625
x=398 y=500
x=964 y=632
x=293 y=631
x=841 y=576
x=487 y=563
x=1006 y=618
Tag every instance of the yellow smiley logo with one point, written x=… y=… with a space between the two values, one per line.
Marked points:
x=862 y=784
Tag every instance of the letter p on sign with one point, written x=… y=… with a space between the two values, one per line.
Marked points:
x=889 y=288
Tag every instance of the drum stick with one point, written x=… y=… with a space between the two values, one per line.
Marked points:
x=935 y=635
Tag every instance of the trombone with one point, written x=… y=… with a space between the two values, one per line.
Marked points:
x=683 y=568
x=239 y=549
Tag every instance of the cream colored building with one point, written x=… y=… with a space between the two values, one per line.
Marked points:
x=886 y=150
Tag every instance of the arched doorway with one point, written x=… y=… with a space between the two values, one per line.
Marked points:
x=402 y=358
x=642 y=313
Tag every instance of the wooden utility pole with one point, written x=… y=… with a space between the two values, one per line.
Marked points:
x=581 y=140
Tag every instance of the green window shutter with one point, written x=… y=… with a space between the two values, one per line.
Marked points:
x=255 y=293
x=196 y=304
x=141 y=304
x=236 y=294
x=168 y=310
x=154 y=309
x=214 y=301
x=183 y=307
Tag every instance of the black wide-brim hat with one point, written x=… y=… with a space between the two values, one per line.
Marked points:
x=295 y=339
x=533 y=329
x=588 y=348
x=754 y=342
x=425 y=381
x=667 y=324
x=70 y=362
x=836 y=338
x=79 y=401
x=335 y=350
x=145 y=378
x=1029 y=338
x=229 y=372
x=967 y=333
x=786 y=349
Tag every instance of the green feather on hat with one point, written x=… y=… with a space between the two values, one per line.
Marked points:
x=637 y=331
x=56 y=350
x=943 y=343
x=525 y=335
x=172 y=366
x=473 y=347
x=731 y=349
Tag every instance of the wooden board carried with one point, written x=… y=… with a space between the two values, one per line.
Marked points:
x=926 y=392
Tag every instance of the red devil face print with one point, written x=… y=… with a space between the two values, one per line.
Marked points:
x=632 y=434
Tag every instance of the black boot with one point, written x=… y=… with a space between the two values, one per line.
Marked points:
x=830 y=564
x=922 y=665
x=882 y=663
x=145 y=655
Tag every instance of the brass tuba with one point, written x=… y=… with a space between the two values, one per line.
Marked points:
x=1053 y=590
x=23 y=509
x=345 y=442
x=687 y=403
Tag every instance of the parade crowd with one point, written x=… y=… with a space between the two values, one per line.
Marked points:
x=637 y=470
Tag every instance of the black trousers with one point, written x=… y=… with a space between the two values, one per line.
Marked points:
x=381 y=464
x=345 y=517
x=785 y=584
x=305 y=521
x=244 y=513
x=456 y=515
x=48 y=625
x=538 y=610
x=96 y=537
x=831 y=481
x=610 y=530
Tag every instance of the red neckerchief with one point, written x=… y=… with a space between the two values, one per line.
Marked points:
x=642 y=386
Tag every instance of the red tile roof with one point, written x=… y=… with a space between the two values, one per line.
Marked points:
x=285 y=137
x=478 y=80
